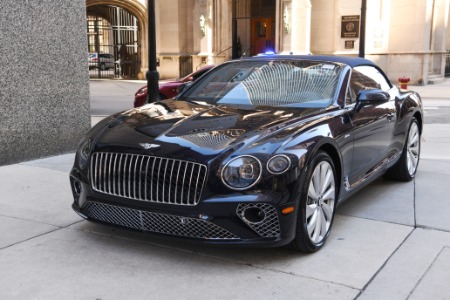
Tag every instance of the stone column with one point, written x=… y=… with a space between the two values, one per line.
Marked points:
x=295 y=26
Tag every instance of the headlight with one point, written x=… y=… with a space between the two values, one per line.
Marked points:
x=84 y=151
x=141 y=91
x=278 y=164
x=242 y=172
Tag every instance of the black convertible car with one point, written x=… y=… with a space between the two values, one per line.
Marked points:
x=259 y=151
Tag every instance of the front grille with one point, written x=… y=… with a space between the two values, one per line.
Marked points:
x=269 y=226
x=148 y=178
x=156 y=222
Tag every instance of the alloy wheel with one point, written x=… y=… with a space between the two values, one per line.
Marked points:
x=320 y=203
x=413 y=149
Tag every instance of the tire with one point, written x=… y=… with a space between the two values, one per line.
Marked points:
x=405 y=169
x=317 y=199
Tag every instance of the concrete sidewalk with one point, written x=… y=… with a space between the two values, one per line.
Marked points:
x=389 y=241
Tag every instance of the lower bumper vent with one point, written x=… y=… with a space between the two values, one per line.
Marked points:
x=155 y=222
x=260 y=217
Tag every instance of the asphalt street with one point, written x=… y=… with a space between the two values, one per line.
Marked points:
x=389 y=241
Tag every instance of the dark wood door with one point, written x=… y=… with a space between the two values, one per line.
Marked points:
x=263 y=35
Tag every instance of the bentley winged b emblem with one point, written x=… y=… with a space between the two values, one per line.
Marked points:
x=147 y=146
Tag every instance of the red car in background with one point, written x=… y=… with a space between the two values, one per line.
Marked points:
x=169 y=89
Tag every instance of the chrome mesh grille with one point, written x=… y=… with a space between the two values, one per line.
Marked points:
x=269 y=226
x=155 y=222
x=148 y=178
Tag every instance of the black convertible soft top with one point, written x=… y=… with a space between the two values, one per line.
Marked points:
x=348 y=60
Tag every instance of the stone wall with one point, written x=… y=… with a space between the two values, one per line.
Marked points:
x=44 y=83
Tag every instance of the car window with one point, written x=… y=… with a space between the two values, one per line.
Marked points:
x=268 y=83
x=195 y=76
x=365 y=77
x=350 y=97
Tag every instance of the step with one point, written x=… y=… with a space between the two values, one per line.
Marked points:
x=435 y=79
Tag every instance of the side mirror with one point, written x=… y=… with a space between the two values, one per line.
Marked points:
x=372 y=96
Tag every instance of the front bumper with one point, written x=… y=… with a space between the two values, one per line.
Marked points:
x=251 y=218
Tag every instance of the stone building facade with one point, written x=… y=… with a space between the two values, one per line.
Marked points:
x=406 y=38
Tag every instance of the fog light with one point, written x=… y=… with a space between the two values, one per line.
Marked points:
x=77 y=187
x=254 y=215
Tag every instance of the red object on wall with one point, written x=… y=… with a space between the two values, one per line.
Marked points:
x=404 y=82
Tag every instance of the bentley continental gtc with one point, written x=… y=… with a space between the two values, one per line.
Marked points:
x=258 y=151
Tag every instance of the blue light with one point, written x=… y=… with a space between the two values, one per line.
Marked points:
x=267 y=53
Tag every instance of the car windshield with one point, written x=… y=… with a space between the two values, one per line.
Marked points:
x=256 y=83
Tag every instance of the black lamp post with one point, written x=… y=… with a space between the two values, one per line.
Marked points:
x=152 y=74
x=362 y=38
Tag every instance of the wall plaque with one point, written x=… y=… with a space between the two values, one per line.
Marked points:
x=349 y=44
x=350 y=27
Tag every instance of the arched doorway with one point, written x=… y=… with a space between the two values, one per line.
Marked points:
x=113 y=42
x=253 y=27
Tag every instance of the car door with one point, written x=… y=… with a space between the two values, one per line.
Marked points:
x=373 y=124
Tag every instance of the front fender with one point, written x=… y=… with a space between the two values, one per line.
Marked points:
x=310 y=141
x=408 y=104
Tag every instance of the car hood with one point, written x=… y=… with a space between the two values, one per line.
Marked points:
x=188 y=130
x=165 y=85
x=170 y=84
